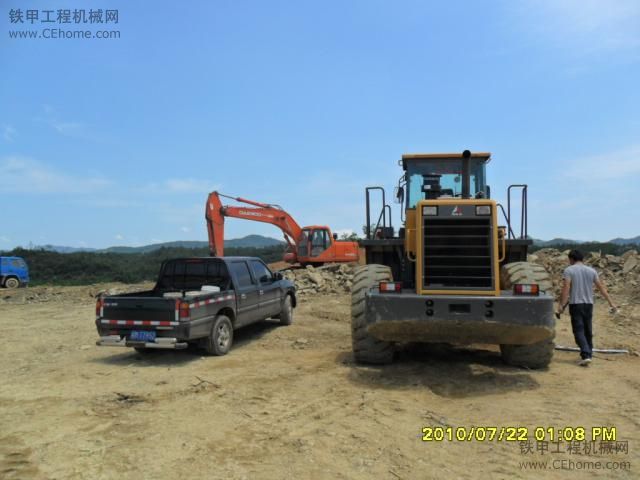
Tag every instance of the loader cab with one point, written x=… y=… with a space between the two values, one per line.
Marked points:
x=429 y=177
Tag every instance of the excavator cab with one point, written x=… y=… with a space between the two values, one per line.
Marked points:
x=313 y=241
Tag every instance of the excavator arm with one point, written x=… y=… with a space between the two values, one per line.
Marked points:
x=258 y=212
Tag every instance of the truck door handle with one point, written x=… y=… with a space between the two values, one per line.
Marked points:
x=261 y=292
x=243 y=295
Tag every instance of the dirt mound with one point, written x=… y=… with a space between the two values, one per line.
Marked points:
x=77 y=294
x=330 y=278
x=621 y=274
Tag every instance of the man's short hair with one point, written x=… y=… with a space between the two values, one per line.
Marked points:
x=576 y=255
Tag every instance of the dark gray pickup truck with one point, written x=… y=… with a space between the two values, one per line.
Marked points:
x=196 y=301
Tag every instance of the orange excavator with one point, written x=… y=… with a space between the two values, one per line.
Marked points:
x=313 y=245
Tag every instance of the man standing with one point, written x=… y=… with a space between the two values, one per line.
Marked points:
x=577 y=290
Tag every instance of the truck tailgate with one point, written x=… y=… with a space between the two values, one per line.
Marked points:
x=140 y=308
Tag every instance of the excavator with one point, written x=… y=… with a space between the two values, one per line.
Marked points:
x=312 y=245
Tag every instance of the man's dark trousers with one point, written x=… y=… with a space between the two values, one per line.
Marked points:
x=581 y=323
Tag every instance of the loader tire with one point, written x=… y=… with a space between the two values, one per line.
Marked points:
x=525 y=272
x=366 y=348
x=535 y=355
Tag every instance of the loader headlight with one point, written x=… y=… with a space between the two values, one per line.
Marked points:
x=430 y=211
x=483 y=209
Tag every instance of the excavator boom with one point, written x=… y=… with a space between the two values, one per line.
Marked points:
x=259 y=212
x=307 y=245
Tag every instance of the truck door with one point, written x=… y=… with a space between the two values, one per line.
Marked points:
x=247 y=294
x=269 y=290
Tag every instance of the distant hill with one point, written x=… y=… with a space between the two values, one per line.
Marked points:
x=59 y=249
x=254 y=241
x=626 y=241
x=565 y=241
x=553 y=242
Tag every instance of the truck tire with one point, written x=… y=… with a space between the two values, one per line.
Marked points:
x=536 y=355
x=221 y=337
x=366 y=348
x=12 y=282
x=286 y=314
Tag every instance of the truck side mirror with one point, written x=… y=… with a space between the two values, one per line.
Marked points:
x=335 y=236
x=277 y=276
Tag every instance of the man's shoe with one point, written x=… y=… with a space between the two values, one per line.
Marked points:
x=585 y=362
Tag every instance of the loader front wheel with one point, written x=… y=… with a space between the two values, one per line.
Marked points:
x=535 y=355
x=366 y=348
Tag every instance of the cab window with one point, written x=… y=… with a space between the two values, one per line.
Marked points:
x=242 y=274
x=261 y=272
x=319 y=242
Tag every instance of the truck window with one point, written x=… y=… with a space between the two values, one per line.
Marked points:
x=16 y=263
x=241 y=272
x=261 y=271
x=217 y=275
x=191 y=274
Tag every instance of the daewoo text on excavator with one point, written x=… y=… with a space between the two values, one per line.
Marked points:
x=312 y=245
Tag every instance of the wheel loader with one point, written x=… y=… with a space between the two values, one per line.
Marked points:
x=456 y=271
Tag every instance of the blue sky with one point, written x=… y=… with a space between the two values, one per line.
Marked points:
x=117 y=141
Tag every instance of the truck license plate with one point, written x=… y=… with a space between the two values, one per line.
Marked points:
x=143 y=336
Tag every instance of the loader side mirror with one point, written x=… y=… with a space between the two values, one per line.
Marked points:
x=399 y=194
x=488 y=191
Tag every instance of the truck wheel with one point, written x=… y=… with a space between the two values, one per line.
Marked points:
x=366 y=348
x=221 y=337
x=12 y=282
x=535 y=355
x=286 y=314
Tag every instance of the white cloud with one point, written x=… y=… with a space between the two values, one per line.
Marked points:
x=182 y=185
x=24 y=175
x=185 y=229
x=4 y=239
x=584 y=26
x=8 y=133
x=66 y=128
x=118 y=236
x=623 y=164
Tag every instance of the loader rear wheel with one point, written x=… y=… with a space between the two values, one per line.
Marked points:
x=366 y=348
x=535 y=355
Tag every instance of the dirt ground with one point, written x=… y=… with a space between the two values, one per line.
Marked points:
x=289 y=402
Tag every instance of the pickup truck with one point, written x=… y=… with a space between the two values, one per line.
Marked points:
x=199 y=301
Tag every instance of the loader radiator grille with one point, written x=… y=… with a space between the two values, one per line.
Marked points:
x=457 y=253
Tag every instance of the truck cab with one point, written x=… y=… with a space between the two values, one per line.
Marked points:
x=14 y=272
